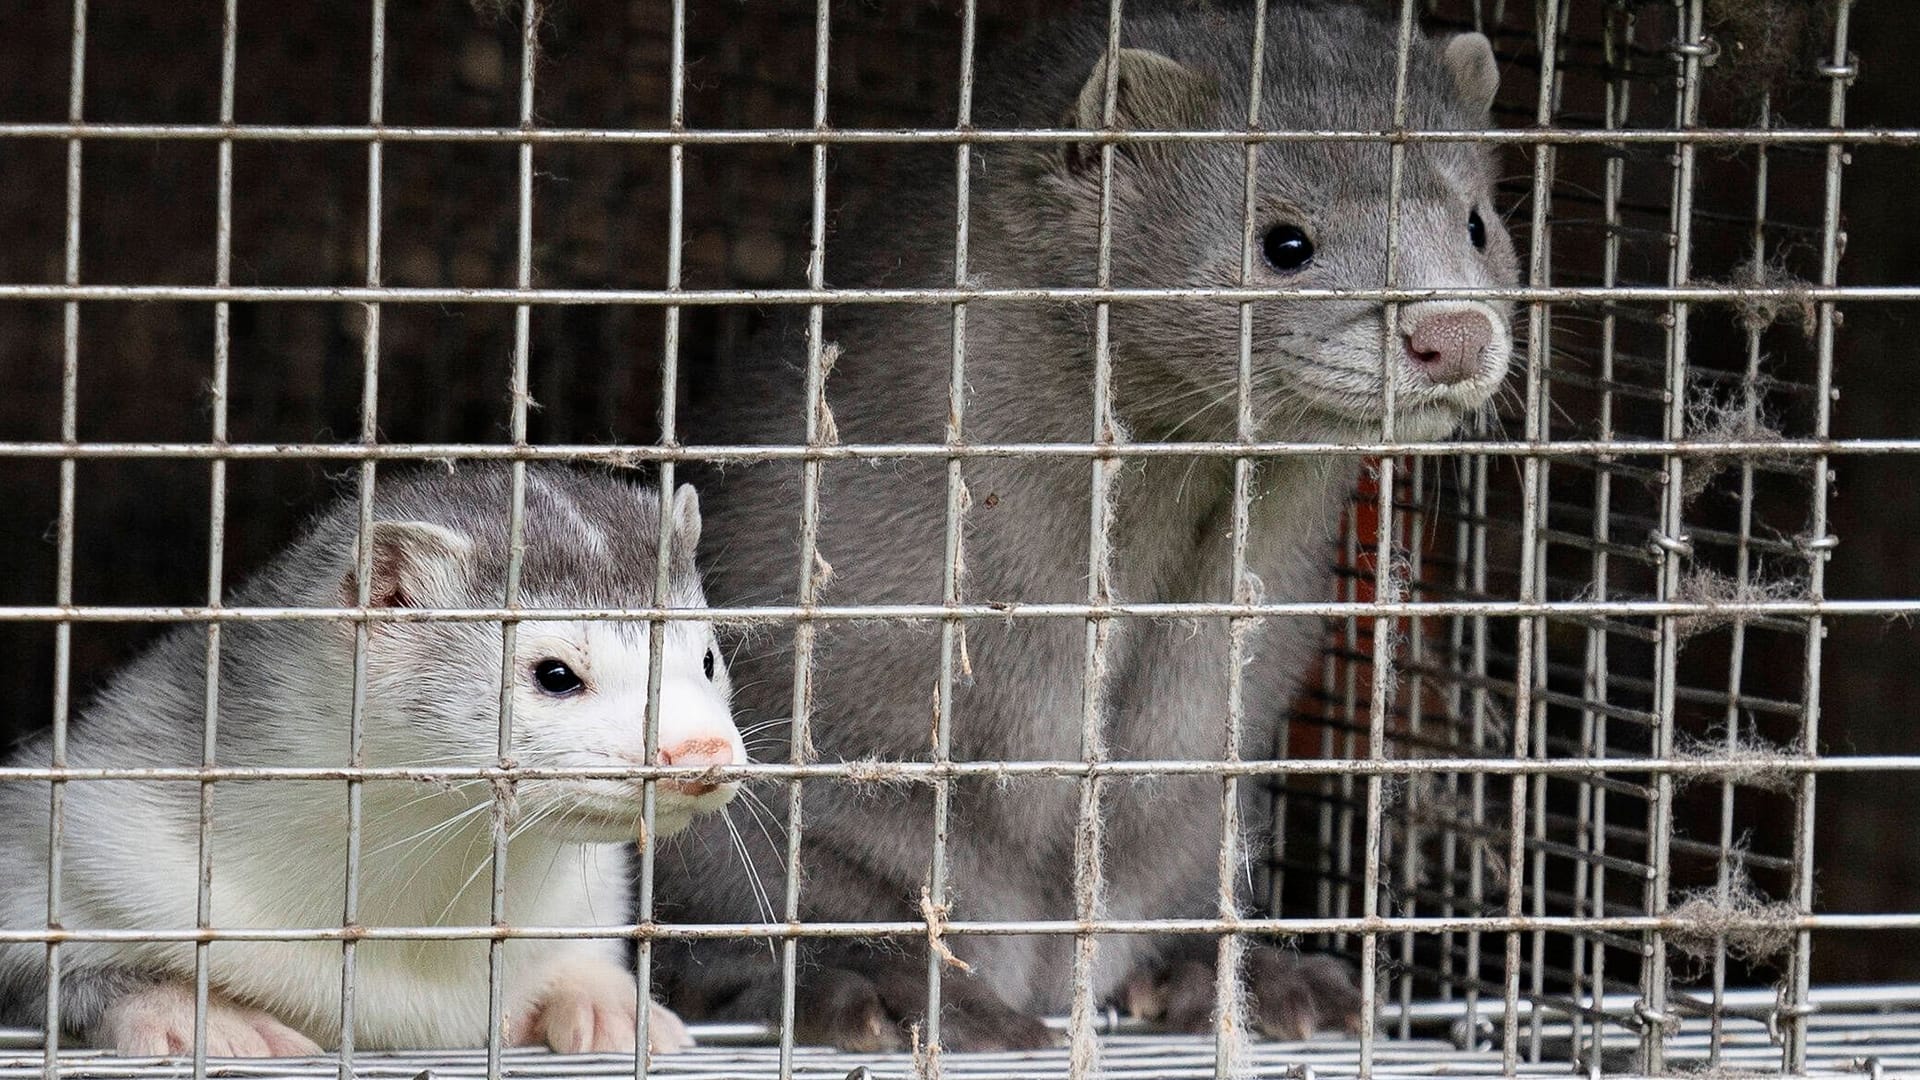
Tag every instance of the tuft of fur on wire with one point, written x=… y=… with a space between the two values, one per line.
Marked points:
x=1752 y=927
x=1714 y=590
x=1740 y=417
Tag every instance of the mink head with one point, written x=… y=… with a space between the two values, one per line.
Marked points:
x=579 y=687
x=1320 y=218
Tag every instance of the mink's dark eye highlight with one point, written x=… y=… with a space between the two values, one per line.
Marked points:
x=556 y=678
x=707 y=663
x=1477 y=230
x=1287 y=248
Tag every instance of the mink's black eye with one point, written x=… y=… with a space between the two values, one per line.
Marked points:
x=556 y=678
x=1477 y=230
x=707 y=663
x=1287 y=248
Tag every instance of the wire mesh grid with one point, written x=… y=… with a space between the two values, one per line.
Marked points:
x=1554 y=786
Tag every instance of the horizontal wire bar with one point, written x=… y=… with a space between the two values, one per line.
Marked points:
x=778 y=614
x=353 y=133
x=881 y=772
x=1225 y=294
x=632 y=455
x=1380 y=924
x=1867 y=1004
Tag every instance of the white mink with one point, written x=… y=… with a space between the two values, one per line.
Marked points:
x=440 y=539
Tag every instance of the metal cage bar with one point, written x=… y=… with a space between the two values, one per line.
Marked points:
x=1839 y=70
x=663 y=545
x=953 y=632
x=363 y=552
x=216 y=535
x=1230 y=1019
x=76 y=130
x=64 y=536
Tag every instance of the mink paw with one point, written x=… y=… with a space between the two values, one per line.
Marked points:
x=157 y=1021
x=588 y=1009
x=1289 y=995
x=877 y=1011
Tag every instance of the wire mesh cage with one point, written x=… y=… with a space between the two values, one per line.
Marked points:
x=1551 y=784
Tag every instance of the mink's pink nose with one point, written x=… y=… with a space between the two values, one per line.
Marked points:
x=707 y=751
x=1450 y=347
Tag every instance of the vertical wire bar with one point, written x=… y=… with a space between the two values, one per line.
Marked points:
x=363 y=555
x=1279 y=803
x=1541 y=342
x=1743 y=569
x=1228 y=1016
x=1533 y=496
x=216 y=536
x=1386 y=581
x=1672 y=527
x=1341 y=713
x=1479 y=699
x=516 y=545
x=1457 y=707
x=1335 y=668
x=1088 y=869
x=657 y=630
x=952 y=631
x=1336 y=823
x=1412 y=797
x=1630 y=30
x=1537 y=823
x=1819 y=544
x=1336 y=739
x=1591 y=810
x=1469 y=568
x=803 y=632
x=63 y=564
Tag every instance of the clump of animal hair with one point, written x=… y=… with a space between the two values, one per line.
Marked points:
x=1771 y=44
x=1754 y=928
x=1712 y=418
x=1746 y=759
x=1757 y=313
x=1238 y=1019
x=1715 y=591
x=1391 y=587
x=861 y=772
x=924 y=1055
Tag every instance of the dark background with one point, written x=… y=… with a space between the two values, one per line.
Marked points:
x=148 y=217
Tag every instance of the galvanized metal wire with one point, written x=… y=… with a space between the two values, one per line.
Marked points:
x=1506 y=726
x=1857 y=1033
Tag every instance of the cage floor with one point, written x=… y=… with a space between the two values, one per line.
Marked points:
x=1874 y=1033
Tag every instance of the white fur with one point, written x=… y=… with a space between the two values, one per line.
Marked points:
x=279 y=847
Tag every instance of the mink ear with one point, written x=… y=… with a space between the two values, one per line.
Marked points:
x=1154 y=93
x=1476 y=75
x=686 y=517
x=414 y=563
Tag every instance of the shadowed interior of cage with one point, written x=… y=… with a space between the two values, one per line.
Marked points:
x=1715 y=844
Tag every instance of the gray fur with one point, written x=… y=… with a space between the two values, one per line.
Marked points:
x=1177 y=221
x=440 y=540
x=85 y=994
